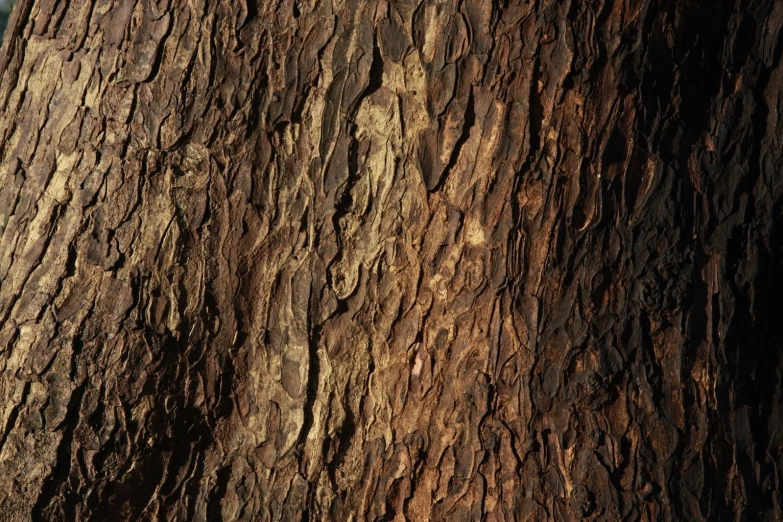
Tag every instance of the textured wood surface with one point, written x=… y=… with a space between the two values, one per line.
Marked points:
x=391 y=260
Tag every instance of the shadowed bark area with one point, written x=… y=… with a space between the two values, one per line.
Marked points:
x=386 y=260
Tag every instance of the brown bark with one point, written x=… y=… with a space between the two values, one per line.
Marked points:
x=390 y=260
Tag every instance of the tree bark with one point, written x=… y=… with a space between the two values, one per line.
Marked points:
x=391 y=260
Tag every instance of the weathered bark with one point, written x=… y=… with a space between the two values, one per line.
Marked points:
x=390 y=260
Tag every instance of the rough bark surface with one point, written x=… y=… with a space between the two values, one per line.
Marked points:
x=391 y=260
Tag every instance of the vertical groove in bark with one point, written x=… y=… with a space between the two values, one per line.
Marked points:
x=390 y=260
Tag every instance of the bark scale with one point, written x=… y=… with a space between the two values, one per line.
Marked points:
x=390 y=260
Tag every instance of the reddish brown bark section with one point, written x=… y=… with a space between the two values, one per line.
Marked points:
x=390 y=260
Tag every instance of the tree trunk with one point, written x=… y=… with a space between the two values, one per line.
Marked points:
x=387 y=260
